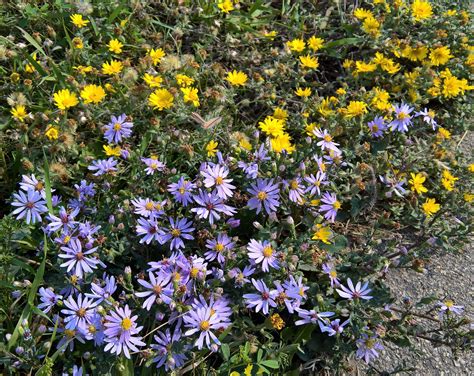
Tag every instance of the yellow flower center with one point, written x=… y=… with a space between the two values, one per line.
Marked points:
x=204 y=325
x=336 y=205
x=375 y=128
x=219 y=247
x=294 y=184
x=219 y=180
x=149 y=206
x=66 y=239
x=126 y=323
x=449 y=303
x=81 y=312
x=333 y=273
x=262 y=195
x=117 y=126
x=176 y=232
x=194 y=272
x=92 y=329
x=327 y=138
x=182 y=190
x=267 y=251
x=402 y=116
x=369 y=343
x=69 y=333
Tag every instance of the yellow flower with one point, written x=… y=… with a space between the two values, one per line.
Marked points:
x=322 y=233
x=93 y=94
x=341 y=91
x=448 y=180
x=361 y=13
x=82 y=69
x=184 y=80
x=248 y=370
x=211 y=148
x=78 y=21
x=347 y=64
x=354 y=108
x=237 y=78
x=270 y=34
x=304 y=93
x=430 y=207
x=277 y=322
x=114 y=67
x=29 y=68
x=112 y=151
x=272 y=126
x=161 y=99
x=416 y=183
x=324 y=108
x=156 y=55
x=152 y=81
x=65 y=99
x=77 y=42
x=309 y=62
x=315 y=43
x=52 y=132
x=443 y=133
x=362 y=67
x=225 y=5
x=453 y=86
x=421 y=10
x=115 y=46
x=281 y=143
x=280 y=113
x=470 y=167
x=296 y=45
x=440 y=56
x=371 y=26
x=468 y=197
x=19 y=112
x=190 y=95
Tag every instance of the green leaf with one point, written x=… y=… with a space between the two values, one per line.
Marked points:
x=47 y=184
x=343 y=42
x=37 y=66
x=32 y=41
x=272 y=363
x=225 y=351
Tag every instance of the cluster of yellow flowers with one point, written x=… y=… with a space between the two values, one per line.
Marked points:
x=274 y=127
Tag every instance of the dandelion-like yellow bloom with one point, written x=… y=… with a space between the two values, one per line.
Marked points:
x=112 y=151
x=361 y=13
x=296 y=45
x=19 y=112
x=78 y=43
x=115 y=46
x=65 y=99
x=416 y=183
x=421 y=10
x=112 y=68
x=161 y=99
x=184 y=80
x=322 y=233
x=468 y=197
x=225 y=5
x=363 y=67
x=430 y=207
x=315 y=43
x=152 y=81
x=443 y=133
x=303 y=92
x=371 y=26
x=211 y=148
x=354 y=108
x=440 y=56
x=448 y=180
x=190 y=94
x=237 y=78
x=282 y=143
x=82 y=69
x=280 y=113
x=52 y=132
x=156 y=55
x=78 y=20
x=93 y=94
x=471 y=167
x=272 y=126
x=310 y=62
x=277 y=322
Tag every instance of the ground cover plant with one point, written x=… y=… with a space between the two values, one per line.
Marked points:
x=221 y=187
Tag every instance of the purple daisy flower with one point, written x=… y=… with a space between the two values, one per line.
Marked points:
x=48 y=299
x=78 y=313
x=95 y=330
x=217 y=176
x=283 y=298
x=402 y=118
x=158 y=290
x=296 y=289
x=203 y=320
x=428 y=117
x=326 y=140
x=103 y=166
x=31 y=182
x=149 y=229
x=262 y=301
x=105 y=291
x=394 y=185
x=84 y=190
x=263 y=253
x=77 y=258
x=121 y=332
x=69 y=336
x=334 y=327
x=182 y=191
x=65 y=220
x=296 y=190
x=179 y=229
x=210 y=205
x=164 y=350
x=377 y=127
x=152 y=165
x=218 y=248
x=448 y=306
x=148 y=208
x=118 y=129
x=330 y=270
x=315 y=183
x=250 y=169
x=29 y=206
x=367 y=347
x=330 y=206
x=311 y=316
x=358 y=292
x=264 y=194
x=240 y=276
